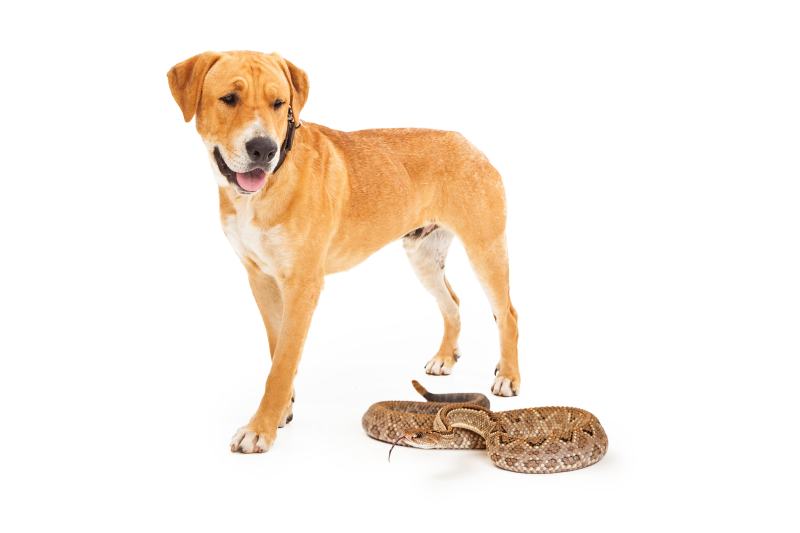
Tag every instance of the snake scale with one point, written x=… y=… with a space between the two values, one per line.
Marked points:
x=537 y=440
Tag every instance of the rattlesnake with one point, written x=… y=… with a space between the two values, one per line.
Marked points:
x=537 y=440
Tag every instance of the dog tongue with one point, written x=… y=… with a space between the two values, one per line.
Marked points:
x=251 y=181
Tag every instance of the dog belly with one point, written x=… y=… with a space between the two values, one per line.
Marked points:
x=345 y=253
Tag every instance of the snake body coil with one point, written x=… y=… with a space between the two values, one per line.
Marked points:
x=538 y=440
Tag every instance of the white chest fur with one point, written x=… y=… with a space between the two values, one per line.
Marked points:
x=265 y=247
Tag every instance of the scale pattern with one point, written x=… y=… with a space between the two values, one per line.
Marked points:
x=389 y=421
x=537 y=440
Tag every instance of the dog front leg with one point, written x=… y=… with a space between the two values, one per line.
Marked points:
x=270 y=303
x=300 y=297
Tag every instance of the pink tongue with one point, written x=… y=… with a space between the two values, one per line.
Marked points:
x=251 y=181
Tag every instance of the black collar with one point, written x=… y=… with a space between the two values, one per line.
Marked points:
x=287 y=143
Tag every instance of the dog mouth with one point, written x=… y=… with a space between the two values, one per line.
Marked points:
x=247 y=182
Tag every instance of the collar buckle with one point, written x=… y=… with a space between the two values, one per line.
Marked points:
x=289 y=141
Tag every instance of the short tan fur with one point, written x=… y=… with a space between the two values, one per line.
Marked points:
x=337 y=198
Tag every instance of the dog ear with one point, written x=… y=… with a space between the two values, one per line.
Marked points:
x=299 y=82
x=186 y=81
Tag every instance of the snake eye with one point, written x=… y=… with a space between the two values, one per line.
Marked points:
x=230 y=99
x=417 y=435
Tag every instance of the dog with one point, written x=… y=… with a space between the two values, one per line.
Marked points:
x=298 y=201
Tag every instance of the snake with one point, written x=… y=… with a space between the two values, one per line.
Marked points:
x=535 y=440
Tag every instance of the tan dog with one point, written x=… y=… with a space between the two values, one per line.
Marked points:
x=299 y=205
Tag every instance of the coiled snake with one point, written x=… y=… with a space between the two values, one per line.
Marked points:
x=538 y=440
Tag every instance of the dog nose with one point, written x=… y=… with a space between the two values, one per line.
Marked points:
x=261 y=149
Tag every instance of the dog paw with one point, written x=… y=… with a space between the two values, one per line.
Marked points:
x=441 y=365
x=504 y=385
x=248 y=440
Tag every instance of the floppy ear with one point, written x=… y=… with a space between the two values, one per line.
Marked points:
x=299 y=82
x=186 y=81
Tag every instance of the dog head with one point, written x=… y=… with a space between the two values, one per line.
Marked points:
x=242 y=102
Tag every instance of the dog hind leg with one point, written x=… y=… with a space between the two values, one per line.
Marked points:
x=489 y=258
x=427 y=249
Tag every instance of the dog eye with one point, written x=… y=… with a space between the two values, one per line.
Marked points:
x=277 y=104
x=230 y=99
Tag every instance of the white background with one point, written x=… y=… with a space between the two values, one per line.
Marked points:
x=650 y=155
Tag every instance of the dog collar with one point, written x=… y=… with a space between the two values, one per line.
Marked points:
x=287 y=143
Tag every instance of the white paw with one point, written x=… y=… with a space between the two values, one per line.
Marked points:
x=438 y=367
x=248 y=441
x=503 y=386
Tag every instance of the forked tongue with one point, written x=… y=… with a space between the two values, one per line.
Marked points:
x=251 y=181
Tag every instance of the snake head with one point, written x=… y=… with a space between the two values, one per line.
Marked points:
x=426 y=440
x=422 y=439
x=415 y=439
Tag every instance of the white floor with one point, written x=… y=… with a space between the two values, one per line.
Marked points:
x=132 y=432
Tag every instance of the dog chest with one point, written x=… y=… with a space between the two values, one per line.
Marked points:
x=265 y=247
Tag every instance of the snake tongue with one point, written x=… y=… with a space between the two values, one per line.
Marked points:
x=402 y=437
